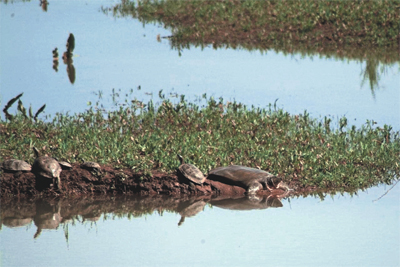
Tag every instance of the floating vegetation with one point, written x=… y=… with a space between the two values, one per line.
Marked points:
x=148 y=137
x=262 y=24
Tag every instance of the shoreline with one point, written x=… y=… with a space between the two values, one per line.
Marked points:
x=110 y=181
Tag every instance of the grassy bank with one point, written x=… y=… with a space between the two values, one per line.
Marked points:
x=145 y=137
x=264 y=24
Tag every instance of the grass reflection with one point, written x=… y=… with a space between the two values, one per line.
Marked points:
x=365 y=31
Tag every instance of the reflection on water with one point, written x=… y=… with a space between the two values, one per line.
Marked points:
x=323 y=81
x=67 y=58
x=232 y=232
x=194 y=206
x=376 y=59
x=51 y=213
x=372 y=73
x=55 y=59
x=247 y=203
x=44 y=4
x=48 y=216
x=190 y=208
x=70 y=69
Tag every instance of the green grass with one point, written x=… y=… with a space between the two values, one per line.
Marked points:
x=147 y=137
x=262 y=24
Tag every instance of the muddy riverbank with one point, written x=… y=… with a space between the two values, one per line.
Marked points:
x=110 y=181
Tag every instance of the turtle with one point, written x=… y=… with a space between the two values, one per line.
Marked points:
x=15 y=165
x=65 y=165
x=47 y=167
x=191 y=172
x=91 y=166
x=250 y=179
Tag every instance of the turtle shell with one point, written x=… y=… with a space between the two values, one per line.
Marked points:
x=91 y=166
x=246 y=177
x=46 y=167
x=192 y=173
x=16 y=165
x=65 y=165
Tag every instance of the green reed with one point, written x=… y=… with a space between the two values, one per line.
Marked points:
x=147 y=136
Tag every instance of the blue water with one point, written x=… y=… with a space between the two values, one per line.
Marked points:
x=341 y=230
x=120 y=53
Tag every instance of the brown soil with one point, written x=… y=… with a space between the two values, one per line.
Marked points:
x=110 y=181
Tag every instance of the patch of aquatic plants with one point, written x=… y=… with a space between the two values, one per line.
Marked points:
x=365 y=31
x=265 y=24
x=146 y=137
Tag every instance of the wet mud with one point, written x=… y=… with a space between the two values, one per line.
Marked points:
x=111 y=181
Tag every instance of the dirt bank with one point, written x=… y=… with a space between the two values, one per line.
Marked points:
x=110 y=181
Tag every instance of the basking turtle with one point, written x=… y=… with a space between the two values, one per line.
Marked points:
x=65 y=165
x=191 y=172
x=250 y=179
x=91 y=166
x=47 y=167
x=15 y=165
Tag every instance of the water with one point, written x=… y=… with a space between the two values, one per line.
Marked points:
x=120 y=53
x=341 y=230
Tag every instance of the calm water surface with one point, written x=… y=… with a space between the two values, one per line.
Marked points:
x=120 y=53
x=341 y=230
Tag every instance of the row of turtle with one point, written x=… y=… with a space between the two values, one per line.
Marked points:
x=250 y=179
x=45 y=167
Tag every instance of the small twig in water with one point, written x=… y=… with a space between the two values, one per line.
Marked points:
x=386 y=191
